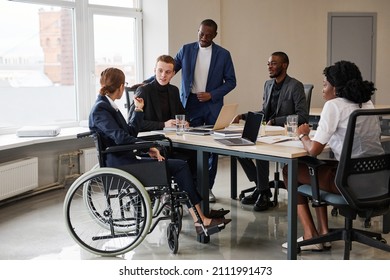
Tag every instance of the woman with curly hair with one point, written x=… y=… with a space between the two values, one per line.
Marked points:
x=344 y=91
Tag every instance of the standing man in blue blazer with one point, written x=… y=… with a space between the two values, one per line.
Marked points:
x=207 y=75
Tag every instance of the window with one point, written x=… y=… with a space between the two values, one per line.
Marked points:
x=50 y=60
x=117 y=3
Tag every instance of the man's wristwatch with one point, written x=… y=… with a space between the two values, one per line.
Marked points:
x=302 y=135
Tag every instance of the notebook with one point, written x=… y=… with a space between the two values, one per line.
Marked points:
x=249 y=134
x=225 y=117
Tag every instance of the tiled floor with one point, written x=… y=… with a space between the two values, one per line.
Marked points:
x=34 y=228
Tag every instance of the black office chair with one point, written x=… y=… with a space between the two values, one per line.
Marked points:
x=364 y=185
x=308 y=88
x=130 y=91
x=277 y=183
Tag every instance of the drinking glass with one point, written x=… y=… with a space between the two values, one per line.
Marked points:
x=292 y=125
x=180 y=124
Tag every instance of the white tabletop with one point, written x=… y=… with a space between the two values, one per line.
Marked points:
x=279 y=150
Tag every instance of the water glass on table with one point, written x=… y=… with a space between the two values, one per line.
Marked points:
x=292 y=125
x=180 y=124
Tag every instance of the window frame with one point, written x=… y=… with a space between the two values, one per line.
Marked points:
x=84 y=64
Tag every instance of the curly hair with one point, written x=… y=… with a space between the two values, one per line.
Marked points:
x=346 y=77
x=110 y=80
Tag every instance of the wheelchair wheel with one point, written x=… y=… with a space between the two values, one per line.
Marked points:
x=107 y=211
x=173 y=238
x=178 y=218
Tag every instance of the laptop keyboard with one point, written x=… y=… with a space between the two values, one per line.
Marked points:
x=236 y=140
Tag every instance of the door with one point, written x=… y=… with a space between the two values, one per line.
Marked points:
x=352 y=36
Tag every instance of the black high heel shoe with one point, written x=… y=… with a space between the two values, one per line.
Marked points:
x=215 y=214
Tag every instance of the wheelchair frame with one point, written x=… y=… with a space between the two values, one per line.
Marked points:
x=109 y=211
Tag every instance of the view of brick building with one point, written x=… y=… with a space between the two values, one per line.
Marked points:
x=55 y=32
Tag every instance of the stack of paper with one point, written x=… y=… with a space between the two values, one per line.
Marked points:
x=272 y=130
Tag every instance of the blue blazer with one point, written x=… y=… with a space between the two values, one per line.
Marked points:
x=221 y=78
x=114 y=130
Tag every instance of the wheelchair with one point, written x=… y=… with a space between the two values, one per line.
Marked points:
x=109 y=211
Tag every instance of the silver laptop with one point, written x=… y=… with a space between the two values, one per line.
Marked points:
x=250 y=133
x=225 y=118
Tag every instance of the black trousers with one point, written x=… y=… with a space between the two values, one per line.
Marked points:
x=258 y=173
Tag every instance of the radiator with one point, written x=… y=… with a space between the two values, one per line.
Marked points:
x=88 y=159
x=18 y=176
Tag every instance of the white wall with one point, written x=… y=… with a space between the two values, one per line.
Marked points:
x=155 y=32
x=252 y=29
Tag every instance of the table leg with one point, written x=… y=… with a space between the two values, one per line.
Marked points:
x=203 y=186
x=233 y=177
x=292 y=210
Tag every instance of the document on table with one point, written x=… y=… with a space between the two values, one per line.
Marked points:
x=292 y=143
x=274 y=139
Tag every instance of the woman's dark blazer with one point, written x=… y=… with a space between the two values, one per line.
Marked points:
x=112 y=126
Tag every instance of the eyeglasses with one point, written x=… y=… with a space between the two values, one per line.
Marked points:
x=272 y=63
x=126 y=84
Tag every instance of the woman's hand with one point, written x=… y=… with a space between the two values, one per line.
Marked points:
x=139 y=102
x=303 y=129
x=155 y=153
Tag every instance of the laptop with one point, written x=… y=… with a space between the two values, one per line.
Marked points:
x=249 y=134
x=225 y=117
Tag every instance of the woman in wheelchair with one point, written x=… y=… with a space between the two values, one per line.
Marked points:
x=344 y=91
x=107 y=120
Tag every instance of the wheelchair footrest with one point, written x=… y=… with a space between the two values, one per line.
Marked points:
x=213 y=229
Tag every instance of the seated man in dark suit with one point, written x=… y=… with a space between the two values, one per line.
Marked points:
x=283 y=96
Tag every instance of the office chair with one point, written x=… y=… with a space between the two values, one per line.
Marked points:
x=130 y=91
x=308 y=88
x=277 y=183
x=364 y=189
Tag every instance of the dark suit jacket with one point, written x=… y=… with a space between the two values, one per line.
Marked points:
x=114 y=130
x=153 y=119
x=292 y=101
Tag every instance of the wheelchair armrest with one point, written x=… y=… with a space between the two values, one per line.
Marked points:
x=154 y=137
x=159 y=138
x=136 y=147
x=313 y=164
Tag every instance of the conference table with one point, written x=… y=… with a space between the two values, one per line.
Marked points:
x=285 y=154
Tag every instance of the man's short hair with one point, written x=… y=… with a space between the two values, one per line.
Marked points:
x=167 y=59
x=282 y=55
x=210 y=23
